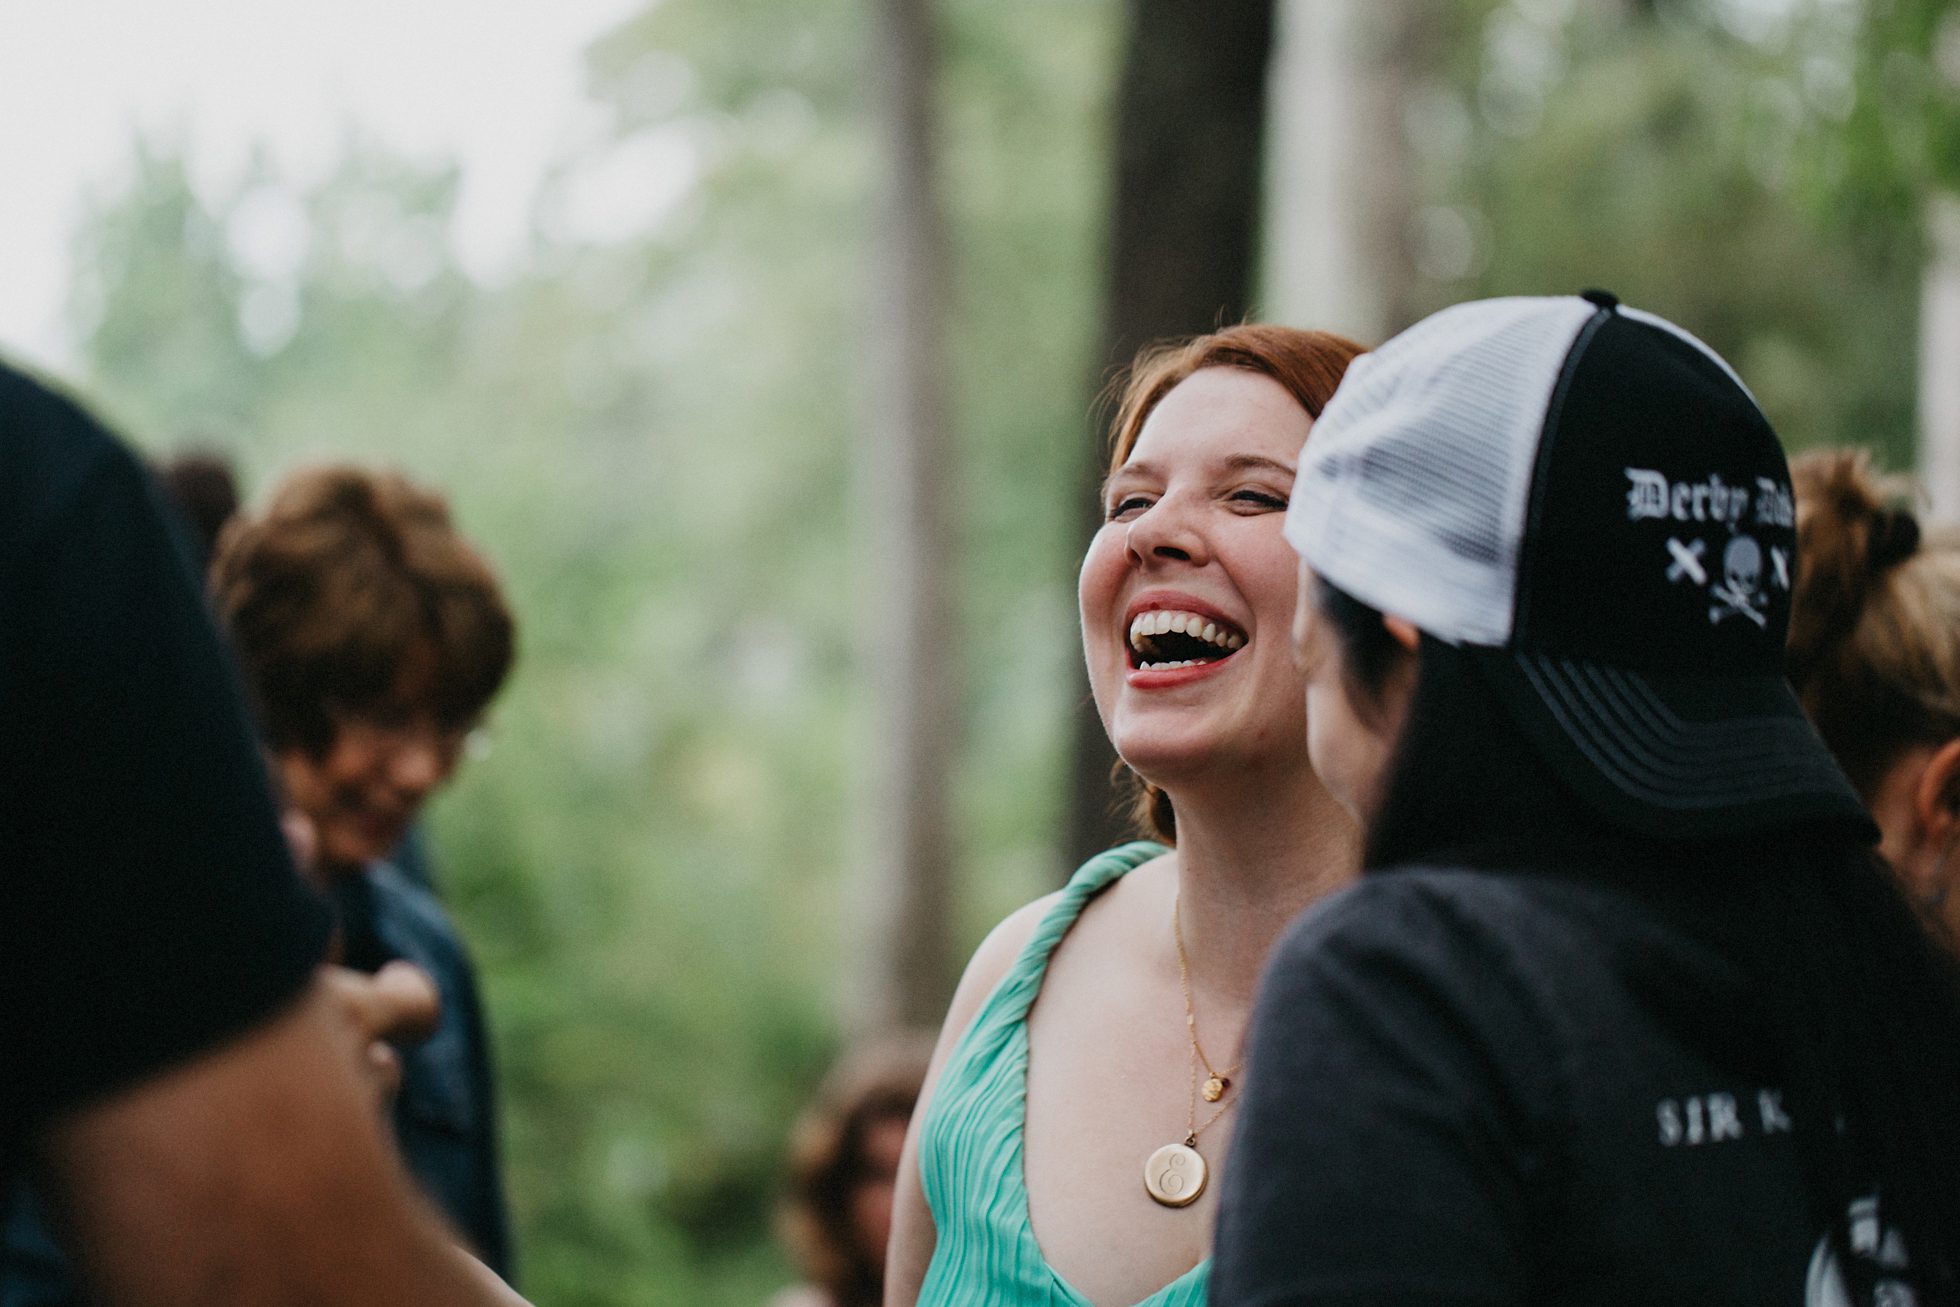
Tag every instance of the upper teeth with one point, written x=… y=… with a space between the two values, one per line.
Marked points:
x=1164 y=620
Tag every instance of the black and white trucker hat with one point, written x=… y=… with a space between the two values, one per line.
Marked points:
x=1588 y=499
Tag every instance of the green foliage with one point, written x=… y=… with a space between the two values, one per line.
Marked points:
x=1898 y=136
x=657 y=440
x=1667 y=157
x=164 y=328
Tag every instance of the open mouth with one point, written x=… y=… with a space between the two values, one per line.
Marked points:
x=1165 y=638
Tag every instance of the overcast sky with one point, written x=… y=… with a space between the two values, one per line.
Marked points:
x=494 y=83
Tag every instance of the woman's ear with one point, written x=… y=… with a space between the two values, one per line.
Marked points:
x=1399 y=686
x=1936 y=797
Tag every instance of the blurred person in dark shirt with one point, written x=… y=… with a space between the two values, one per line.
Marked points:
x=202 y=488
x=190 y=1088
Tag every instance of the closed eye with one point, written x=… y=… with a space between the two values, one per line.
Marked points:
x=1126 y=506
x=1263 y=499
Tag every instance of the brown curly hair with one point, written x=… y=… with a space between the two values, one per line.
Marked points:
x=345 y=576
x=1309 y=364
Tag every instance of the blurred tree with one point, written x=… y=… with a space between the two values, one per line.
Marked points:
x=1895 y=157
x=656 y=429
x=1657 y=150
x=157 y=299
x=1189 y=154
x=906 y=966
x=1893 y=71
x=1342 y=191
x=1939 y=345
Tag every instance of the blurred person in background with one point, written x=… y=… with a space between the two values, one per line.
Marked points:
x=844 y=1151
x=372 y=636
x=203 y=488
x=1875 y=658
x=1620 y=1010
x=194 y=1093
x=202 y=485
x=1080 y=1100
x=34 y=1271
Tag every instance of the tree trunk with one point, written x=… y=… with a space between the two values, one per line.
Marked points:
x=1338 y=216
x=1939 y=346
x=908 y=977
x=1190 y=144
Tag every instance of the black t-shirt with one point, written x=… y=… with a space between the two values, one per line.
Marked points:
x=148 y=905
x=1471 y=1087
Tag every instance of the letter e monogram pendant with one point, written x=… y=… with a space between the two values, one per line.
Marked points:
x=1174 y=1175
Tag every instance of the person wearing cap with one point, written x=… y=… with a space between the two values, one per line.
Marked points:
x=1619 y=1010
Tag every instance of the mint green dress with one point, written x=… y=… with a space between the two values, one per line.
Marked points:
x=970 y=1159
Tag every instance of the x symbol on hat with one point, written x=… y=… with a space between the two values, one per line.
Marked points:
x=1687 y=560
x=1781 y=562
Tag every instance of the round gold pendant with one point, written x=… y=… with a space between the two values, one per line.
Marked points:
x=1174 y=1175
x=1215 y=1088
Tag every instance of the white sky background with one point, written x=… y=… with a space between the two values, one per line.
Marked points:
x=495 y=84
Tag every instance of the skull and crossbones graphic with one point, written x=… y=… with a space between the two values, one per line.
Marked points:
x=1737 y=593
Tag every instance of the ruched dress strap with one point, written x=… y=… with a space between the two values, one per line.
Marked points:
x=971 y=1144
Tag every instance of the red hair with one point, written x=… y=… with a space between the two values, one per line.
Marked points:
x=1309 y=364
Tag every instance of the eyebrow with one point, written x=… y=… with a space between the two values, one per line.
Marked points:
x=1257 y=462
x=1235 y=463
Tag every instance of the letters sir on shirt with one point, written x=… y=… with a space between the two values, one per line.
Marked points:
x=1697 y=1119
x=1739 y=582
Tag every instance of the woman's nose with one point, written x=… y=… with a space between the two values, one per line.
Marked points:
x=1166 y=532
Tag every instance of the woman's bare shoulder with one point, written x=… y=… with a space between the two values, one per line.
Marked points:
x=995 y=956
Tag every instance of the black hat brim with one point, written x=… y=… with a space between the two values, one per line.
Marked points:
x=1676 y=758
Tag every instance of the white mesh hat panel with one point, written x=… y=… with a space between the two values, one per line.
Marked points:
x=1413 y=486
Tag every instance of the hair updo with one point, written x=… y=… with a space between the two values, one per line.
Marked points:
x=1874 y=647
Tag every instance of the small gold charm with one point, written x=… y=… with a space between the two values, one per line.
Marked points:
x=1174 y=1175
x=1215 y=1088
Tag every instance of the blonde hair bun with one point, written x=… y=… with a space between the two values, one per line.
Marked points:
x=1848 y=534
x=1874 y=649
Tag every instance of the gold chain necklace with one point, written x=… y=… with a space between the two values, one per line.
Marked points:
x=1216 y=1082
x=1176 y=1173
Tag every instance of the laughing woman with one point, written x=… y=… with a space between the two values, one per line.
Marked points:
x=1081 y=1097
